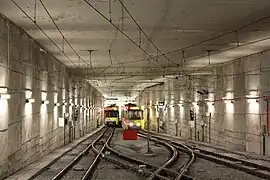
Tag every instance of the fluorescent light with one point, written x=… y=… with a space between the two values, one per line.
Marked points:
x=56 y=104
x=30 y=100
x=4 y=96
x=45 y=102
x=200 y=73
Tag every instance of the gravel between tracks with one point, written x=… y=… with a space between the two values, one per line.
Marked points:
x=79 y=169
x=109 y=171
x=137 y=149
x=58 y=165
x=203 y=169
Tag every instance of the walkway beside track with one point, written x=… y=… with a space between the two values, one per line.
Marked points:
x=29 y=171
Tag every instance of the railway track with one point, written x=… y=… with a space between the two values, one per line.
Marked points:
x=150 y=171
x=99 y=146
x=60 y=166
x=260 y=171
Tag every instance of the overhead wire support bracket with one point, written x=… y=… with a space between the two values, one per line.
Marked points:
x=110 y=10
x=110 y=56
x=236 y=37
x=75 y=52
x=63 y=44
x=101 y=14
x=149 y=39
x=35 y=12
x=140 y=37
x=19 y=7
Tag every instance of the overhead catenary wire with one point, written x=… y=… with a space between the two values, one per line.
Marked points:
x=219 y=36
x=141 y=30
x=19 y=7
x=132 y=41
x=57 y=27
x=216 y=52
x=208 y=40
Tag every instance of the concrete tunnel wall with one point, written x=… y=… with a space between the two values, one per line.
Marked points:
x=30 y=131
x=237 y=125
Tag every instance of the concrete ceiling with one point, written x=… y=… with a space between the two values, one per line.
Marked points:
x=178 y=28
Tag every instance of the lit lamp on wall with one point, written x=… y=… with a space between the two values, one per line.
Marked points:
x=4 y=96
x=30 y=100
x=252 y=97
x=65 y=103
x=56 y=104
x=45 y=102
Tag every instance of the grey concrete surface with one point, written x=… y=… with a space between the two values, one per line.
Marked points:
x=221 y=47
x=29 y=131
x=33 y=168
x=238 y=125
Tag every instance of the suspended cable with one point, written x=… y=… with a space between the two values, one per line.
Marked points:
x=141 y=30
x=219 y=36
x=19 y=7
x=43 y=5
x=120 y=31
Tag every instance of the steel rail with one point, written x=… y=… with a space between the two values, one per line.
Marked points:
x=185 y=168
x=170 y=161
x=94 y=164
x=148 y=165
x=76 y=159
x=145 y=173
x=50 y=164
x=230 y=162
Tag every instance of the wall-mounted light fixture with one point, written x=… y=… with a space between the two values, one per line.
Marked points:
x=45 y=102
x=252 y=100
x=65 y=103
x=30 y=100
x=56 y=104
x=252 y=97
x=5 y=96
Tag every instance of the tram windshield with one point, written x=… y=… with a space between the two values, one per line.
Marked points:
x=111 y=113
x=134 y=114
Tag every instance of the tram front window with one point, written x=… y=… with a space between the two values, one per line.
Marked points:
x=134 y=114
x=111 y=113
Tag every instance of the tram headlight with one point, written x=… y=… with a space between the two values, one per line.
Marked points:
x=131 y=124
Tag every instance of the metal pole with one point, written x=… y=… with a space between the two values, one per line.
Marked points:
x=209 y=132
x=64 y=134
x=263 y=136
x=195 y=125
x=149 y=150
